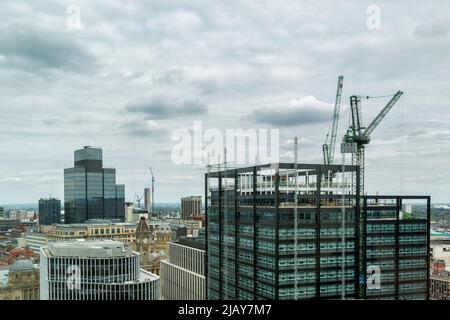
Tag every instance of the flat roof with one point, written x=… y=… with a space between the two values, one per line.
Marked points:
x=93 y=223
x=88 y=249
x=215 y=170
x=144 y=276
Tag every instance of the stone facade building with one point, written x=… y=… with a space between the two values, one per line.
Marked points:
x=21 y=282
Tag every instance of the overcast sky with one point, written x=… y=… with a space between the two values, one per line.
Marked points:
x=136 y=71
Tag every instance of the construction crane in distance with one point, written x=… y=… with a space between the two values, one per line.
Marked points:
x=138 y=199
x=153 y=189
x=330 y=142
x=358 y=136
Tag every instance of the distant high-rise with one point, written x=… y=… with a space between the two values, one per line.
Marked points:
x=94 y=270
x=148 y=200
x=49 y=211
x=191 y=207
x=90 y=191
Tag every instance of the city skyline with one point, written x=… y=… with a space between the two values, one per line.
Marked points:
x=134 y=73
x=223 y=158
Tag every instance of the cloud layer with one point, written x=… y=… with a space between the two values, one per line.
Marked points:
x=164 y=108
x=138 y=70
x=307 y=110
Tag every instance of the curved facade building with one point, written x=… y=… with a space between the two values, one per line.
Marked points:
x=94 y=270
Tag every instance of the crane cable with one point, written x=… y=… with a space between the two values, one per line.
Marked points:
x=376 y=97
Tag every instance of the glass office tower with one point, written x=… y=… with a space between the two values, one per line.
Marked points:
x=275 y=232
x=90 y=191
x=49 y=211
x=302 y=231
x=398 y=247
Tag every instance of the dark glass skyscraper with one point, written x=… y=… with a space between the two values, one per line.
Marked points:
x=90 y=191
x=49 y=211
x=303 y=231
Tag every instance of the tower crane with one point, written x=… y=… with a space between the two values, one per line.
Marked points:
x=153 y=189
x=138 y=199
x=354 y=142
x=330 y=142
x=358 y=136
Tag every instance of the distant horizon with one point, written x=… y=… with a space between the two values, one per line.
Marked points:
x=33 y=205
x=27 y=205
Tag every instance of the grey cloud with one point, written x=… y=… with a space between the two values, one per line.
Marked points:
x=233 y=55
x=418 y=132
x=307 y=110
x=423 y=133
x=169 y=77
x=207 y=86
x=35 y=49
x=431 y=30
x=143 y=127
x=165 y=108
x=50 y=121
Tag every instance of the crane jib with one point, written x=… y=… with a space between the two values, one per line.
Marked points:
x=330 y=145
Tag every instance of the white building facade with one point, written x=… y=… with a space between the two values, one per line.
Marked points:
x=183 y=275
x=94 y=270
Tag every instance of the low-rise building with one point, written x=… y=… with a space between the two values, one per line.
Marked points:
x=22 y=253
x=92 y=229
x=8 y=224
x=440 y=250
x=177 y=231
x=19 y=282
x=440 y=286
x=192 y=227
x=35 y=240
x=437 y=266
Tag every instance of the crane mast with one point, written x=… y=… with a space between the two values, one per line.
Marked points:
x=357 y=137
x=153 y=189
x=330 y=142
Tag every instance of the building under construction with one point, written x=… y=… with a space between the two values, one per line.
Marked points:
x=303 y=231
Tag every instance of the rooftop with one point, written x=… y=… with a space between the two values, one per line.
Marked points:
x=88 y=249
x=144 y=276
x=193 y=242
x=312 y=168
x=23 y=265
x=95 y=222
x=443 y=275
